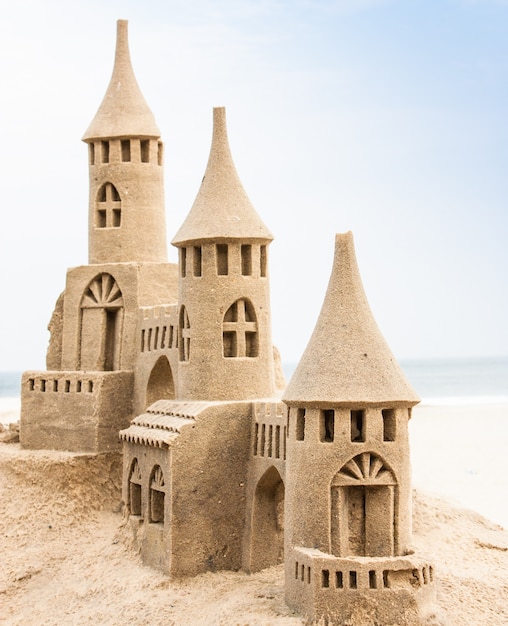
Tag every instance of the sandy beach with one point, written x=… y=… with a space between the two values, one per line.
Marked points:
x=66 y=559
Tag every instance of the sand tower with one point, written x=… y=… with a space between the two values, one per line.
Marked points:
x=348 y=491
x=88 y=392
x=224 y=308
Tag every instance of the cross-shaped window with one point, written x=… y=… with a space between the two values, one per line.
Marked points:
x=240 y=330
x=108 y=207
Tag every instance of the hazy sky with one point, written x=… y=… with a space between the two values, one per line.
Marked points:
x=388 y=118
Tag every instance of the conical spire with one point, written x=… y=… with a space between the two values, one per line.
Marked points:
x=123 y=111
x=221 y=209
x=347 y=361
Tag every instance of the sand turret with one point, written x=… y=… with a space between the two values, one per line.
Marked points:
x=126 y=209
x=224 y=314
x=347 y=360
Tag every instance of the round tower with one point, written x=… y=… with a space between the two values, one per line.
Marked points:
x=348 y=475
x=224 y=330
x=126 y=206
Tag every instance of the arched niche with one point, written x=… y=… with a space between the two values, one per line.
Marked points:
x=267 y=547
x=161 y=384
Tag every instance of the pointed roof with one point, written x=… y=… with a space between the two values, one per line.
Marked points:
x=123 y=111
x=347 y=361
x=221 y=209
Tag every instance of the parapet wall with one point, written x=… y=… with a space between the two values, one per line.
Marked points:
x=75 y=411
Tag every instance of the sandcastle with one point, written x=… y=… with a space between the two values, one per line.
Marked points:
x=174 y=365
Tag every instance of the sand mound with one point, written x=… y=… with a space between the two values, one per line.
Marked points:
x=64 y=560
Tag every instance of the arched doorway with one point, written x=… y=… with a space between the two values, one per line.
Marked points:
x=101 y=325
x=363 y=500
x=160 y=383
x=267 y=544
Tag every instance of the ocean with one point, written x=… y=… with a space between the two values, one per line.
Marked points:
x=454 y=381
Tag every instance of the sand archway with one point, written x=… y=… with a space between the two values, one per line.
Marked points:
x=161 y=384
x=268 y=521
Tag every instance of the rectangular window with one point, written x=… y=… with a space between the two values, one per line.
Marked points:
x=372 y=579
x=389 y=424
x=156 y=340
x=263 y=440
x=143 y=340
x=171 y=334
x=339 y=580
x=256 y=436
x=67 y=386
x=325 y=578
x=145 y=150
x=91 y=150
x=386 y=579
x=358 y=426
x=183 y=262
x=300 y=424
x=126 y=150
x=270 y=440
x=31 y=384
x=90 y=386
x=262 y=261
x=197 y=261
x=327 y=425
x=221 y=251
x=246 y=252
x=150 y=333
x=352 y=580
x=43 y=385
x=55 y=385
x=105 y=151
x=78 y=386
x=277 y=442
x=160 y=153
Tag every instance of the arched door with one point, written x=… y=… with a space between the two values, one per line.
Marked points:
x=268 y=521
x=160 y=383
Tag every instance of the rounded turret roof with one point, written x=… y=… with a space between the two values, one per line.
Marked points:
x=347 y=361
x=221 y=210
x=123 y=111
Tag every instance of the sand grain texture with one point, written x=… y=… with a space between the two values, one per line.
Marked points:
x=66 y=560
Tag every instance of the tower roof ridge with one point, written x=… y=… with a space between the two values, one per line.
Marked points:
x=347 y=360
x=123 y=111
x=222 y=209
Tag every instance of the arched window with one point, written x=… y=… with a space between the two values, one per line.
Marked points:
x=101 y=324
x=363 y=500
x=135 y=489
x=157 y=492
x=108 y=207
x=240 y=330
x=184 y=335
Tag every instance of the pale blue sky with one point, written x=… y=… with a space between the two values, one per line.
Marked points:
x=388 y=118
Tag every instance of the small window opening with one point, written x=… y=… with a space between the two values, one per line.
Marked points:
x=55 y=385
x=157 y=496
x=389 y=424
x=277 y=442
x=117 y=217
x=352 y=580
x=135 y=499
x=263 y=440
x=386 y=580
x=339 y=580
x=31 y=384
x=197 y=260
x=221 y=251
x=300 y=424
x=262 y=261
x=91 y=151
x=160 y=153
x=145 y=150
x=143 y=332
x=296 y=570
x=105 y=151
x=357 y=426
x=303 y=572
x=163 y=336
x=229 y=343
x=256 y=437
x=325 y=578
x=78 y=386
x=156 y=339
x=171 y=333
x=372 y=579
x=431 y=573
x=101 y=218
x=270 y=440
x=67 y=386
x=308 y=575
x=183 y=262
x=126 y=150
x=90 y=386
x=246 y=252
x=43 y=385
x=327 y=425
